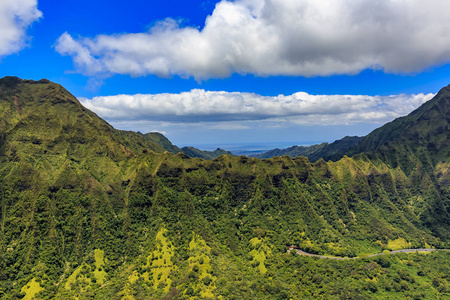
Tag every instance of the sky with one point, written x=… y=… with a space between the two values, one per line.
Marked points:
x=263 y=73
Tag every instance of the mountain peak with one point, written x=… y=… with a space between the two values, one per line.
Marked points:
x=11 y=81
x=423 y=133
x=31 y=93
x=43 y=117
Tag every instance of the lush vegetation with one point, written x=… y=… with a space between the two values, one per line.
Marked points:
x=327 y=151
x=88 y=211
x=161 y=140
x=193 y=152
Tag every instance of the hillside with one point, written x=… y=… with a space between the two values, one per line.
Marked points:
x=421 y=137
x=292 y=151
x=161 y=140
x=40 y=117
x=93 y=212
x=194 y=152
x=418 y=140
x=327 y=151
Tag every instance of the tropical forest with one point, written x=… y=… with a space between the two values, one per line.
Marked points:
x=92 y=212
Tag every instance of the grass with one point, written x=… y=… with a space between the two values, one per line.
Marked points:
x=398 y=244
x=31 y=289
x=80 y=276
x=200 y=262
x=77 y=277
x=259 y=252
x=133 y=277
x=126 y=293
x=160 y=263
x=99 y=273
x=72 y=278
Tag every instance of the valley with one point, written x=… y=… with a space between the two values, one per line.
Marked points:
x=92 y=212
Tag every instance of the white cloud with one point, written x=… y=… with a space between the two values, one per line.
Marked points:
x=230 y=110
x=277 y=37
x=15 y=17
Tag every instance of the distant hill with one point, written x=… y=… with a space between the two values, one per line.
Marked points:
x=194 y=152
x=327 y=151
x=161 y=140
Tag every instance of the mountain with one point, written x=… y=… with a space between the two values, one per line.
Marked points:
x=40 y=117
x=91 y=212
x=194 y=152
x=421 y=137
x=326 y=151
x=292 y=151
x=161 y=140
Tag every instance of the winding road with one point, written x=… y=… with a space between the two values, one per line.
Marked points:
x=300 y=252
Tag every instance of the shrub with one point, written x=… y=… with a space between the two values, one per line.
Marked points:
x=207 y=280
x=189 y=291
x=193 y=276
x=259 y=232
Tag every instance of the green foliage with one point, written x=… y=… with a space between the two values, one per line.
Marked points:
x=333 y=151
x=161 y=140
x=91 y=212
x=194 y=152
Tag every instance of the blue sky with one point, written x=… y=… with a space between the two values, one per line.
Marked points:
x=215 y=73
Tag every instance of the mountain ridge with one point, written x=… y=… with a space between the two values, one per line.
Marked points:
x=423 y=133
x=92 y=212
x=413 y=133
x=327 y=151
x=63 y=111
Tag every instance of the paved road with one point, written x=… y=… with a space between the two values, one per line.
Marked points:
x=300 y=252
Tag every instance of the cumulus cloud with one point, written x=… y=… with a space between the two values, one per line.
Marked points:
x=227 y=110
x=15 y=17
x=277 y=37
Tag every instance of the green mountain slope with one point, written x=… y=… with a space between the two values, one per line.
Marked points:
x=292 y=151
x=40 y=117
x=327 y=151
x=161 y=140
x=423 y=134
x=88 y=211
x=419 y=140
x=194 y=152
